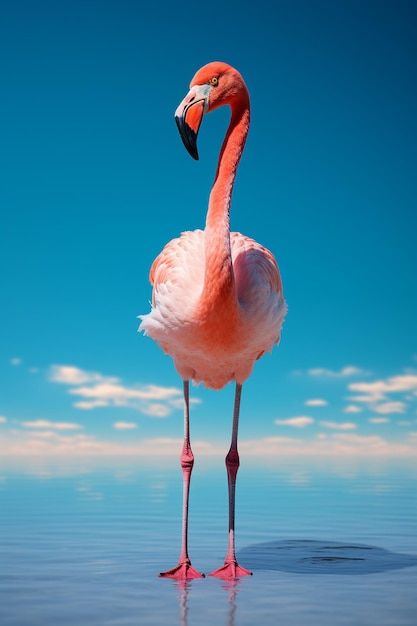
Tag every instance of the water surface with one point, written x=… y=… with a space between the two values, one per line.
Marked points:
x=328 y=542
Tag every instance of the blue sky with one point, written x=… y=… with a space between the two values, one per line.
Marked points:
x=95 y=181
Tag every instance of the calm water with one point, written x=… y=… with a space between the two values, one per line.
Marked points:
x=329 y=544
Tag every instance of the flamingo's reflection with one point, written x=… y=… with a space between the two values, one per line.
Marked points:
x=185 y=588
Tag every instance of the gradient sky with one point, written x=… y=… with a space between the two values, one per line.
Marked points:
x=95 y=180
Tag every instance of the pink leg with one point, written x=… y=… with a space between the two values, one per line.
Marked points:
x=184 y=570
x=231 y=568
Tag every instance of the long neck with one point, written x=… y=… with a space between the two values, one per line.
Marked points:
x=219 y=280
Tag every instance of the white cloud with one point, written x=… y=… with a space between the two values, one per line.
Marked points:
x=46 y=442
x=71 y=375
x=179 y=402
x=389 y=407
x=46 y=434
x=16 y=361
x=378 y=390
x=87 y=405
x=3 y=419
x=360 y=440
x=297 y=422
x=352 y=408
x=54 y=444
x=271 y=449
x=378 y=420
x=96 y=390
x=156 y=410
x=338 y=425
x=111 y=394
x=53 y=425
x=269 y=440
x=316 y=402
x=349 y=370
x=117 y=393
x=337 y=445
x=371 y=392
x=125 y=425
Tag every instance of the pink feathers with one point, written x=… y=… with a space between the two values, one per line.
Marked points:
x=209 y=345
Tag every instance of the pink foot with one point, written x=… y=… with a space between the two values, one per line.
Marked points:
x=181 y=572
x=230 y=570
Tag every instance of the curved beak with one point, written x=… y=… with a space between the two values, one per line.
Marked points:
x=189 y=115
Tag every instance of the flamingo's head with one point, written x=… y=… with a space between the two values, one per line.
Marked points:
x=214 y=84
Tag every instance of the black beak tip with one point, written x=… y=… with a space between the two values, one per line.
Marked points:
x=188 y=136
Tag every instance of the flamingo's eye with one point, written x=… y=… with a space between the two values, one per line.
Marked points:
x=214 y=81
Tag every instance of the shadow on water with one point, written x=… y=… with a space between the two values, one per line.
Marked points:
x=322 y=557
x=299 y=557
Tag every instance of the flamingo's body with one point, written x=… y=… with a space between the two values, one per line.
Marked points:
x=214 y=337
x=217 y=301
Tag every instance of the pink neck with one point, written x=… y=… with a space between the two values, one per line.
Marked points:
x=219 y=279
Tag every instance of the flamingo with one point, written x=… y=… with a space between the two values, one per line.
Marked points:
x=217 y=301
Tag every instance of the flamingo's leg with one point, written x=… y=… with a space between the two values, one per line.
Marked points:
x=231 y=568
x=184 y=570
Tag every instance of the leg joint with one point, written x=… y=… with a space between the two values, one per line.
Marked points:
x=232 y=459
x=187 y=459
